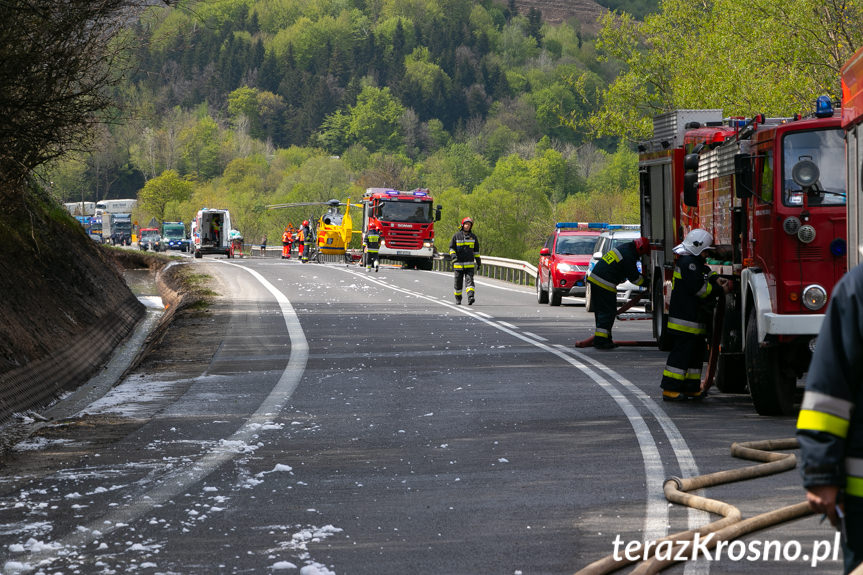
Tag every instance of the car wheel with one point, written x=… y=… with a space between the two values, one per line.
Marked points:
x=541 y=294
x=554 y=295
x=588 y=299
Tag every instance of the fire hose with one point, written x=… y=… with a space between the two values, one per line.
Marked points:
x=732 y=525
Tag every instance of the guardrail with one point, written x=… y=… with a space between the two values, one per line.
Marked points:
x=504 y=269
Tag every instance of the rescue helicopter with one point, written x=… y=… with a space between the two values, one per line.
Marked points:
x=333 y=229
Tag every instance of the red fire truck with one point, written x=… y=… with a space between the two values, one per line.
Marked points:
x=852 y=121
x=406 y=223
x=772 y=193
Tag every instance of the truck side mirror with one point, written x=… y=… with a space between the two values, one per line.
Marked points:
x=690 y=189
x=437 y=211
x=544 y=252
x=743 y=176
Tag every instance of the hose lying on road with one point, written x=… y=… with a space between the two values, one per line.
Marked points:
x=731 y=525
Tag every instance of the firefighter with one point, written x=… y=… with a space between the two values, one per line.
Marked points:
x=616 y=266
x=287 y=242
x=693 y=287
x=372 y=242
x=830 y=424
x=304 y=237
x=464 y=253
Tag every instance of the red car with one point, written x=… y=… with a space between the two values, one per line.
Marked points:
x=564 y=259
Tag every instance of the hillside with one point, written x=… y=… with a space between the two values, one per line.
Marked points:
x=586 y=12
x=65 y=304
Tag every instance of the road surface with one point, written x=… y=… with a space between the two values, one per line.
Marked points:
x=322 y=419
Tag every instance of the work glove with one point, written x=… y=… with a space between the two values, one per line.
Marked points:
x=478 y=263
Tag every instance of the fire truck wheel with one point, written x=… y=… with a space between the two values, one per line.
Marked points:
x=541 y=294
x=554 y=295
x=197 y=254
x=588 y=299
x=771 y=385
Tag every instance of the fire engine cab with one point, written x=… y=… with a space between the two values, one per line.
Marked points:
x=405 y=220
x=771 y=192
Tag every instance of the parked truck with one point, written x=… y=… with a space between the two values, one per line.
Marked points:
x=210 y=232
x=771 y=192
x=121 y=229
x=406 y=223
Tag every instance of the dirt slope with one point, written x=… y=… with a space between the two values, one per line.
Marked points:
x=64 y=303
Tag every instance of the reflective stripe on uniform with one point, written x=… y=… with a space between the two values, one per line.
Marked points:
x=674 y=373
x=463 y=265
x=470 y=289
x=820 y=421
x=457 y=293
x=468 y=243
x=599 y=282
x=705 y=290
x=817 y=401
x=854 y=479
x=693 y=373
x=600 y=332
x=639 y=281
x=686 y=326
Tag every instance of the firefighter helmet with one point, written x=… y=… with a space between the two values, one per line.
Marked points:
x=305 y=222
x=467 y=220
x=695 y=242
x=642 y=246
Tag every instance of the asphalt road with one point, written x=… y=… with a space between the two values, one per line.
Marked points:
x=327 y=419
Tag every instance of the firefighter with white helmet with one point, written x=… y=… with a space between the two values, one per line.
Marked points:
x=694 y=285
x=464 y=252
x=616 y=266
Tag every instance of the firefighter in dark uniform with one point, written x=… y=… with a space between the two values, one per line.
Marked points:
x=464 y=252
x=695 y=286
x=615 y=267
x=830 y=424
x=373 y=245
x=305 y=238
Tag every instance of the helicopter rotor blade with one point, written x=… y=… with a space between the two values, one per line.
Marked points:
x=296 y=205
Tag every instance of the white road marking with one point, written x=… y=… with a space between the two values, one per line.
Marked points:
x=534 y=336
x=507 y=324
x=656 y=515
x=179 y=479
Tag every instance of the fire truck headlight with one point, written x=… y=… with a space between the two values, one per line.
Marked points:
x=805 y=173
x=427 y=244
x=806 y=234
x=814 y=297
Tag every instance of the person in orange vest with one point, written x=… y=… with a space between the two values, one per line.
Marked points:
x=305 y=238
x=287 y=242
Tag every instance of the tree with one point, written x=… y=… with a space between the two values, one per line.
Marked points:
x=374 y=120
x=717 y=55
x=58 y=60
x=168 y=187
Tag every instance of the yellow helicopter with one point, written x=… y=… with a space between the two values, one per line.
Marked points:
x=333 y=229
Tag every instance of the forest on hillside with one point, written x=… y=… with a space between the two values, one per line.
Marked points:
x=240 y=104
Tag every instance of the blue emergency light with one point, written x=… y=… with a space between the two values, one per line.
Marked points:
x=583 y=225
x=419 y=193
x=392 y=192
x=838 y=247
x=823 y=107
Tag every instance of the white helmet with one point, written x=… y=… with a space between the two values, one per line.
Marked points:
x=695 y=242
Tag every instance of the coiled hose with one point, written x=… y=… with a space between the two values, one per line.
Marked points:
x=731 y=525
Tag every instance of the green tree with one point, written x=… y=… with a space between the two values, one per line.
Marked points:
x=374 y=120
x=156 y=193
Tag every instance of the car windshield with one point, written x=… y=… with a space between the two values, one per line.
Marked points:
x=149 y=234
x=406 y=211
x=826 y=149
x=575 y=245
